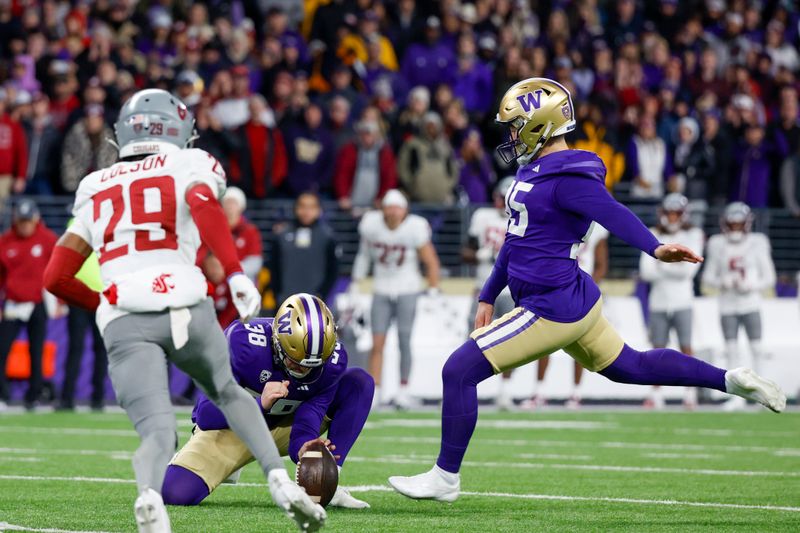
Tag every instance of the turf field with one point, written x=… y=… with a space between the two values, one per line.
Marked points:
x=548 y=471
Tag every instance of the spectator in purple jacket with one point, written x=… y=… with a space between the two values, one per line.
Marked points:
x=473 y=79
x=752 y=179
x=431 y=62
x=476 y=176
x=309 y=146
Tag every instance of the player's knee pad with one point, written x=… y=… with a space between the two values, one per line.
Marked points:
x=183 y=487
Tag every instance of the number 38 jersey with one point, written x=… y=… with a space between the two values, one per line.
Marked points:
x=250 y=347
x=393 y=252
x=135 y=216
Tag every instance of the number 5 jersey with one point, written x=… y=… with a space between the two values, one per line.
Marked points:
x=135 y=216
x=551 y=206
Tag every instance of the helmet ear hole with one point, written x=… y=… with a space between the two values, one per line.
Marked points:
x=538 y=128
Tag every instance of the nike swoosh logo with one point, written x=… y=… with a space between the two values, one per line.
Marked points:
x=202 y=197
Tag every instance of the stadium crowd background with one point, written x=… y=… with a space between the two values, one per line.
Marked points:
x=350 y=98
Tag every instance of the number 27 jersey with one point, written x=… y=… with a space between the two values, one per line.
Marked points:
x=135 y=216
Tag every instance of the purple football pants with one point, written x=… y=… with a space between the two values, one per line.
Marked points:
x=467 y=367
x=348 y=412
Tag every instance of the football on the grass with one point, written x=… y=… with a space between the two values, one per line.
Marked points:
x=318 y=474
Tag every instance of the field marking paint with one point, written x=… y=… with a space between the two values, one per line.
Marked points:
x=70 y=431
x=384 y=488
x=497 y=424
x=555 y=456
x=603 y=444
x=5 y=526
x=681 y=456
x=399 y=459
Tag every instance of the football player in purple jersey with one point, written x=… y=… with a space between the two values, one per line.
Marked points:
x=296 y=369
x=557 y=194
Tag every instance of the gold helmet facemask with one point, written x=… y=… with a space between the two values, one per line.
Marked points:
x=303 y=333
x=534 y=110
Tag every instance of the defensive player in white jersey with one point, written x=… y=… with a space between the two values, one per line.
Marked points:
x=487 y=230
x=671 y=287
x=739 y=265
x=144 y=217
x=395 y=242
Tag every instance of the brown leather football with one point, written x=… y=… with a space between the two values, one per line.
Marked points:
x=318 y=473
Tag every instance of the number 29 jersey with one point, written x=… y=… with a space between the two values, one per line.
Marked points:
x=393 y=252
x=135 y=216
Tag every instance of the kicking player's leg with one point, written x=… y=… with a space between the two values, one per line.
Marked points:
x=137 y=366
x=663 y=366
x=204 y=356
x=513 y=340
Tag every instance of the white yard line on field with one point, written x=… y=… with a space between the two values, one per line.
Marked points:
x=400 y=459
x=539 y=443
x=384 y=488
x=554 y=456
x=5 y=526
x=655 y=455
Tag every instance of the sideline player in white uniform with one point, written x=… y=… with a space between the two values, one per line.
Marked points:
x=739 y=264
x=671 y=287
x=395 y=242
x=144 y=217
x=592 y=259
x=487 y=230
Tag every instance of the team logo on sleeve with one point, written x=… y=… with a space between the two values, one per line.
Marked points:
x=264 y=376
x=162 y=284
x=285 y=323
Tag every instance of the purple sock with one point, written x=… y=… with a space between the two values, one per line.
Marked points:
x=349 y=409
x=663 y=366
x=183 y=487
x=460 y=377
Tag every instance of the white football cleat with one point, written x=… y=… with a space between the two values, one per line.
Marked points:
x=294 y=501
x=436 y=484
x=749 y=385
x=655 y=400
x=537 y=401
x=690 y=399
x=151 y=515
x=342 y=498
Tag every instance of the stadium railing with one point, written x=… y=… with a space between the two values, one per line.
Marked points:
x=450 y=225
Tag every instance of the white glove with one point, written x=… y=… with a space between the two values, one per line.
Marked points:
x=433 y=292
x=246 y=297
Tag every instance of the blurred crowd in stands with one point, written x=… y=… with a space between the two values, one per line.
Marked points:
x=349 y=98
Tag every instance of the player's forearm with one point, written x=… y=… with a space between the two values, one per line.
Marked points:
x=59 y=279
x=208 y=216
x=251 y=266
x=361 y=263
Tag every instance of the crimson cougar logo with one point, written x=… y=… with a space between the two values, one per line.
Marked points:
x=162 y=285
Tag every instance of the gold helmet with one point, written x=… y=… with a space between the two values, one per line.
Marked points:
x=303 y=333
x=535 y=110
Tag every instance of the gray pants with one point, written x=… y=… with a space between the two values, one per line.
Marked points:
x=751 y=323
x=139 y=346
x=502 y=305
x=403 y=308
x=662 y=322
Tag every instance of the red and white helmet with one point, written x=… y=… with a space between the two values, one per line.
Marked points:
x=736 y=221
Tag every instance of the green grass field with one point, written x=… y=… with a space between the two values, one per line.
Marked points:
x=548 y=471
